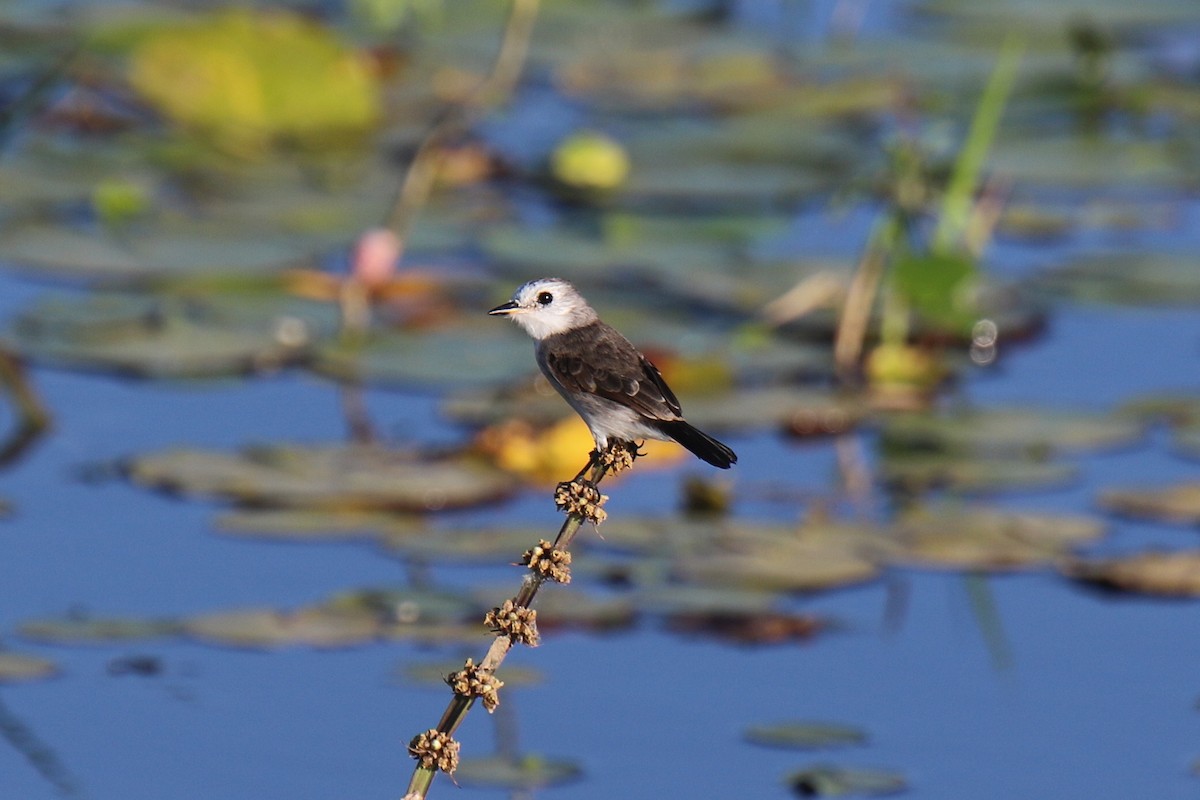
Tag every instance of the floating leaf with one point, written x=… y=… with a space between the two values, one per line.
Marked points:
x=467 y=355
x=354 y=477
x=921 y=472
x=675 y=598
x=525 y=773
x=405 y=606
x=1176 y=503
x=1071 y=161
x=805 y=735
x=827 y=780
x=811 y=558
x=312 y=525
x=769 y=627
x=16 y=667
x=1162 y=574
x=938 y=288
x=270 y=628
x=96 y=630
x=1136 y=278
x=255 y=77
x=153 y=345
x=58 y=250
x=989 y=539
x=1013 y=429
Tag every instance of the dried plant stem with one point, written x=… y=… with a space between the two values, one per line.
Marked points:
x=498 y=86
x=619 y=456
x=860 y=298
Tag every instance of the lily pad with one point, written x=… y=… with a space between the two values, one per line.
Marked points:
x=146 y=337
x=102 y=630
x=805 y=735
x=311 y=525
x=525 y=773
x=1071 y=162
x=1161 y=574
x=759 y=628
x=256 y=77
x=967 y=474
x=353 y=477
x=267 y=628
x=470 y=354
x=983 y=539
x=1013 y=429
x=812 y=558
x=60 y=251
x=828 y=780
x=1140 y=278
x=675 y=598
x=1179 y=503
x=15 y=667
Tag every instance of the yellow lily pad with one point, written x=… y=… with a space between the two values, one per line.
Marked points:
x=252 y=78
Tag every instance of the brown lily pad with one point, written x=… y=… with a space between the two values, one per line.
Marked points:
x=1160 y=574
x=1179 y=503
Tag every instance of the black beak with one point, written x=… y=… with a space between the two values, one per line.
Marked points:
x=504 y=309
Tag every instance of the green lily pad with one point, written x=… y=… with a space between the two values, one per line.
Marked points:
x=60 y=251
x=829 y=780
x=1147 y=279
x=560 y=609
x=354 y=477
x=1178 y=409
x=815 y=557
x=1179 y=503
x=1013 y=429
x=982 y=539
x=470 y=354
x=967 y=474
x=70 y=631
x=805 y=735
x=676 y=598
x=1071 y=162
x=266 y=628
x=15 y=667
x=147 y=337
x=403 y=607
x=313 y=525
x=485 y=543
x=1160 y=574
x=525 y=773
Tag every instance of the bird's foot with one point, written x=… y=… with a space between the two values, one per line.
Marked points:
x=620 y=455
x=581 y=497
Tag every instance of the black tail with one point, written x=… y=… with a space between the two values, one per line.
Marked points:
x=700 y=443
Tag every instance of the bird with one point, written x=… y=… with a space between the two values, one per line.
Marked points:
x=610 y=384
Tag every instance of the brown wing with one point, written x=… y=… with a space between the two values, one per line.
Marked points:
x=598 y=360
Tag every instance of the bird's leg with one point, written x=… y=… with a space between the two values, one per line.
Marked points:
x=593 y=458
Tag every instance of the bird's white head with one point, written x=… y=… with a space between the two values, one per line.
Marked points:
x=547 y=306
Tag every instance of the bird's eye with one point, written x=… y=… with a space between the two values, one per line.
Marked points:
x=545 y=299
